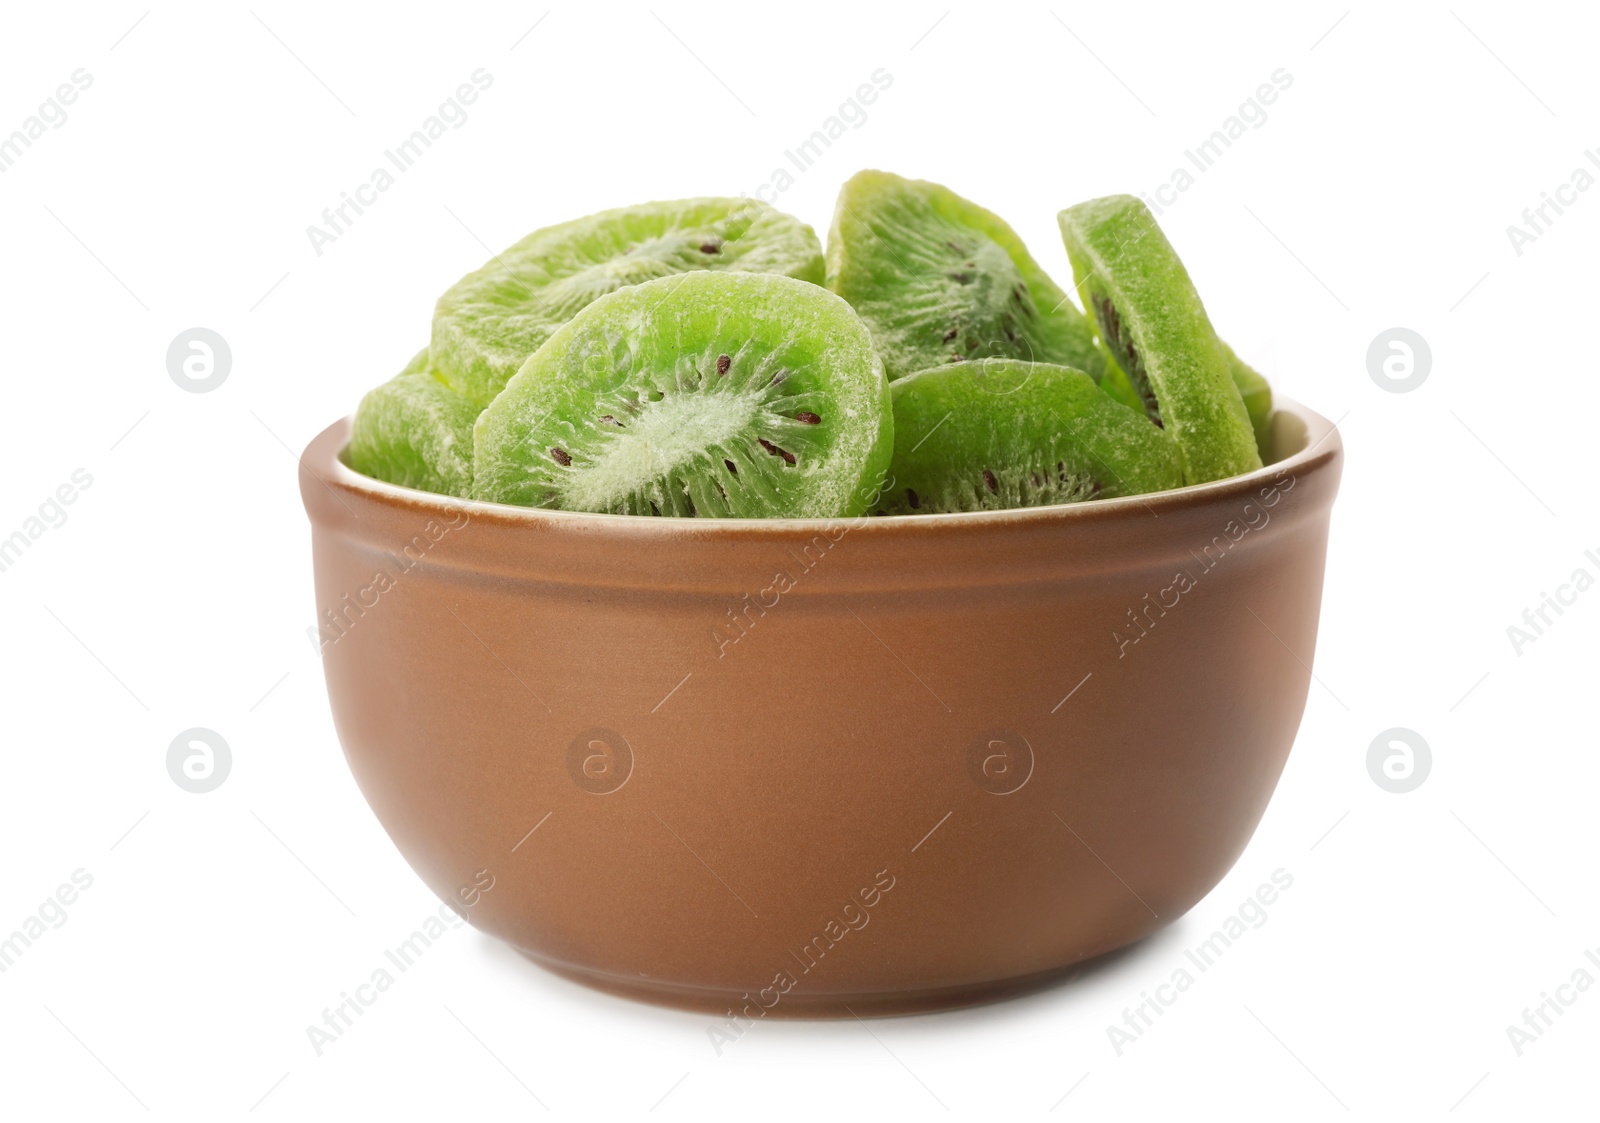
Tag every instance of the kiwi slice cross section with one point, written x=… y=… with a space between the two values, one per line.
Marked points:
x=708 y=394
x=1152 y=322
x=999 y=433
x=491 y=320
x=938 y=279
x=416 y=432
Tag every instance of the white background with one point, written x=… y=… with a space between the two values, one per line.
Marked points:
x=177 y=594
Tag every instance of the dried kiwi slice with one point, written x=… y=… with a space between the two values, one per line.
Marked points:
x=1154 y=325
x=416 y=432
x=998 y=433
x=741 y=395
x=939 y=279
x=492 y=320
x=1257 y=394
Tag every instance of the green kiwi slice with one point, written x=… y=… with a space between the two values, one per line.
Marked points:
x=1153 y=323
x=416 y=432
x=999 y=433
x=717 y=394
x=1257 y=394
x=939 y=279
x=491 y=320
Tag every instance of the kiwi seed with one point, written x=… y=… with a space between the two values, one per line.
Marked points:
x=723 y=363
x=788 y=457
x=806 y=417
x=561 y=457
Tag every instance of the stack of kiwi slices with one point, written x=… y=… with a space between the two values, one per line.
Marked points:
x=702 y=358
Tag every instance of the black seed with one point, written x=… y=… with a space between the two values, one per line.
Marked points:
x=722 y=491
x=654 y=510
x=911 y=498
x=690 y=499
x=788 y=457
x=951 y=334
x=779 y=377
x=990 y=482
x=808 y=418
x=961 y=278
x=723 y=363
x=731 y=467
x=711 y=247
x=607 y=419
x=561 y=457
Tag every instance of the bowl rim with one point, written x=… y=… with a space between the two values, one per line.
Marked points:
x=323 y=461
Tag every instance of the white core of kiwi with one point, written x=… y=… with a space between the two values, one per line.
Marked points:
x=661 y=440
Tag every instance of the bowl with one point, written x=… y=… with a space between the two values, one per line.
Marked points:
x=821 y=768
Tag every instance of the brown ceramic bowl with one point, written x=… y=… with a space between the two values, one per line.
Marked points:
x=791 y=766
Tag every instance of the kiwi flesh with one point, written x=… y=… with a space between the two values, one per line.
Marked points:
x=1257 y=394
x=993 y=434
x=709 y=394
x=938 y=279
x=415 y=431
x=491 y=320
x=1118 y=385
